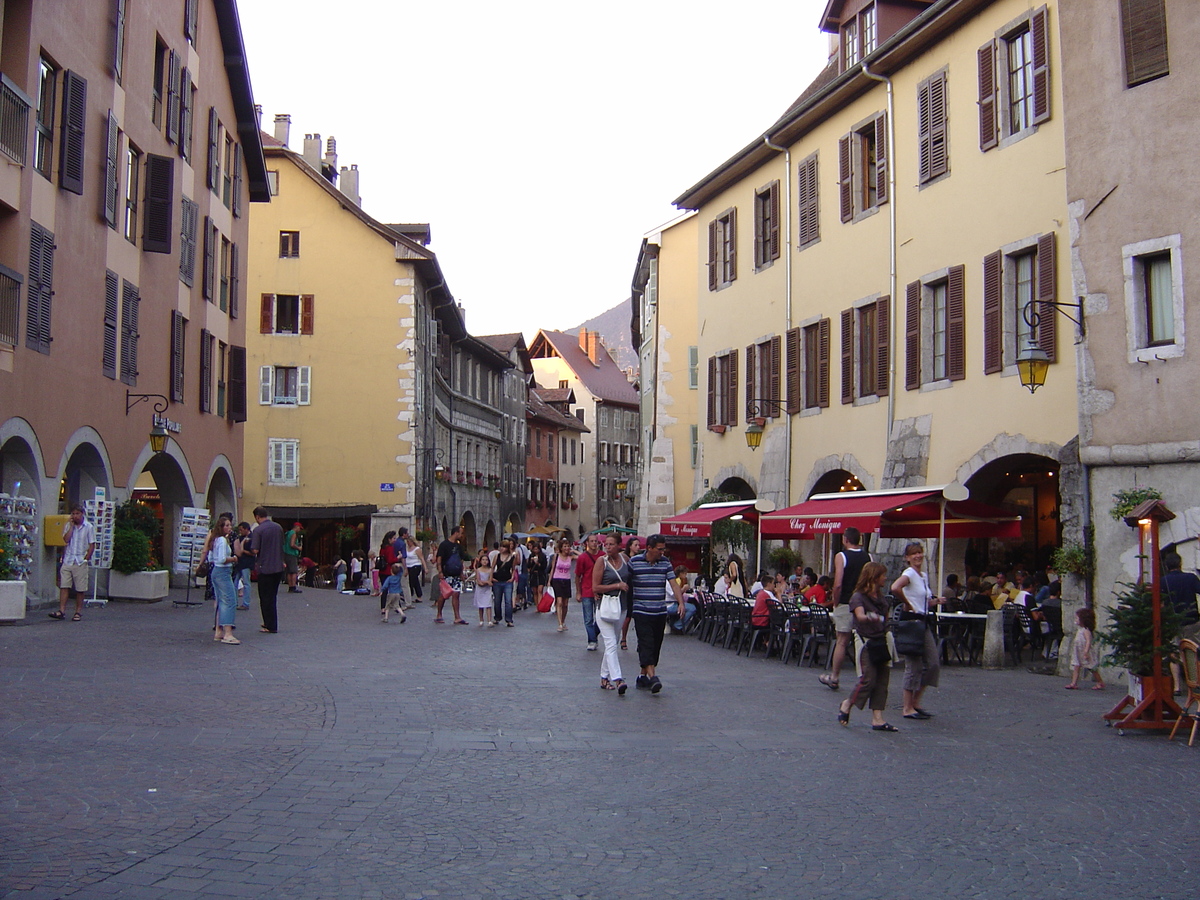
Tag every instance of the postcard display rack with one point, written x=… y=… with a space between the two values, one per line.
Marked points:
x=102 y=514
x=18 y=519
x=193 y=531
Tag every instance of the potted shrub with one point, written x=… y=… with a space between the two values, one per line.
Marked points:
x=12 y=591
x=784 y=559
x=131 y=576
x=1129 y=635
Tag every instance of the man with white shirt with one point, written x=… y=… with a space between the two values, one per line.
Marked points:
x=80 y=538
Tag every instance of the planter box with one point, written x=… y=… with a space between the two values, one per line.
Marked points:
x=139 y=586
x=12 y=600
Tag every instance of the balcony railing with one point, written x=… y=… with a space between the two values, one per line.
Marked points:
x=10 y=304
x=14 y=120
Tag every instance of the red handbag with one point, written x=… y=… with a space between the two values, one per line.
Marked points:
x=547 y=602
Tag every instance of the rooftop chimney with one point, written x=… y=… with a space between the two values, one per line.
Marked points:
x=331 y=153
x=349 y=184
x=312 y=151
x=283 y=128
x=589 y=343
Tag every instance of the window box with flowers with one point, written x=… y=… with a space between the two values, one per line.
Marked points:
x=574 y=505
x=460 y=476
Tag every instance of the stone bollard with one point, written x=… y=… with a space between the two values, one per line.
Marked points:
x=993 y=640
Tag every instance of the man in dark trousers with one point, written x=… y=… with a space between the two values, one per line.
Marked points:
x=450 y=567
x=266 y=543
x=846 y=567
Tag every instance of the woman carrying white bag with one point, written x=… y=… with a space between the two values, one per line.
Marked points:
x=610 y=586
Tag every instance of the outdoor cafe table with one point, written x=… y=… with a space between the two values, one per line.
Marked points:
x=945 y=618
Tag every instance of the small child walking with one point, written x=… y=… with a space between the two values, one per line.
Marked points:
x=1084 y=652
x=481 y=582
x=391 y=594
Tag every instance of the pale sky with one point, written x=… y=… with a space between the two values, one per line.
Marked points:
x=539 y=139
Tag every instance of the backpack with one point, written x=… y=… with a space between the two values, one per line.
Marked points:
x=454 y=565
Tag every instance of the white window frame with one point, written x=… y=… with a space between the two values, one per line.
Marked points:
x=1012 y=325
x=281 y=471
x=267 y=381
x=1135 y=298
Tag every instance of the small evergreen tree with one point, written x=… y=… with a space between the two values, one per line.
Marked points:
x=1130 y=630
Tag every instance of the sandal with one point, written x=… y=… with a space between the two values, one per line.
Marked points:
x=886 y=726
x=843 y=718
x=460 y=621
x=1095 y=687
x=606 y=685
x=829 y=681
x=438 y=621
x=622 y=687
x=77 y=617
x=624 y=646
x=56 y=615
x=1070 y=687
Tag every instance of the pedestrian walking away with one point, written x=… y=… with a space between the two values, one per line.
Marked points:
x=651 y=576
x=869 y=607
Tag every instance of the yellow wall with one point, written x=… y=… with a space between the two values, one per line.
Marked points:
x=357 y=425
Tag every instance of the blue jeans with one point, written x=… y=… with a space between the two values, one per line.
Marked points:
x=502 y=594
x=241 y=585
x=589 y=619
x=689 y=610
x=222 y=582
x=523 y=588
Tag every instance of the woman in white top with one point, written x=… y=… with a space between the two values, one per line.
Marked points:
x=221 y=558
x=415 y=564
x=919 y=671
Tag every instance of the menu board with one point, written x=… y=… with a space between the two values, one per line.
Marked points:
x=102 y=514
x=18 y=519
x=193 y=530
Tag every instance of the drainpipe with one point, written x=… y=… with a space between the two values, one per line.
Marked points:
x=787 y=306
x=892 y=285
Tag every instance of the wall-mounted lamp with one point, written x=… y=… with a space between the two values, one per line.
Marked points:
x=1032 y=361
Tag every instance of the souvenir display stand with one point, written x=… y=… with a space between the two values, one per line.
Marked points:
x=193 y=531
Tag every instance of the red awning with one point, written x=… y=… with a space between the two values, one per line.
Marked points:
x=697 y=523
x=912 y=513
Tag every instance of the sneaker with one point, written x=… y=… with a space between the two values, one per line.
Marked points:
x=642 y=683
x=403 y=619
x=509 y=624
x=655 y=685
x=591 y=645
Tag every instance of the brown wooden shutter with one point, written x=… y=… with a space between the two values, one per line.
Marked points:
x=956 y=324
x=39 y=289
x=208 y=276
x=1039 y=31
x=924 y=132
x=775 y=394
x=306 y=314
x=988 y=131
x=883 y=344
x=732 y=226
x=237 y=180
x=847 y=356
x=1144 y=30
x=794 y=401
x=111 y=169
x=939 y=157
x=713 y=275
x=993 y=290
x=1047 y=276
x=237 y=384
x=185 y=113
x=111 y=305
x=810 y=221
x=235 y=281
x=74 y=118
x=206 y=342
x=823 y=328
x=912 y=336
x=177 y=350
x=712 y=391
x=189 y=20
x=190 y=218
x=773 y=208
x=750 y=370
x=845 y=179
x=881 y=158
x=130 y=301
x=731 y=388
x=266 y=314
x=173 y=81
x=213 y=176
x=159 y=205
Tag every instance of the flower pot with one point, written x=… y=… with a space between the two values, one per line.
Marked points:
x=12 y=600
x=1137 y=686
x=150 y=586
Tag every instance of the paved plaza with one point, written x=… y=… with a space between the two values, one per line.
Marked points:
x=345 y=758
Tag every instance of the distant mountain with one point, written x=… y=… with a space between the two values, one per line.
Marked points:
x=613 y=327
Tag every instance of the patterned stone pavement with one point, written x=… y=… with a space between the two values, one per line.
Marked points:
x=342 y=758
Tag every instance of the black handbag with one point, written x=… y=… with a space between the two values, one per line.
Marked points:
x=203 y=570
x=909 y=636
x=877 y=651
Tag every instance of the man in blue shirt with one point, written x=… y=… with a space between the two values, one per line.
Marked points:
x=650 y=577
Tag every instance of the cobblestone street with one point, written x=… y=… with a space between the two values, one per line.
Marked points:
x=344 y=758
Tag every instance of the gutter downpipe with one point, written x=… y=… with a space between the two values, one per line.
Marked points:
x=787 y=269
x=892 y=285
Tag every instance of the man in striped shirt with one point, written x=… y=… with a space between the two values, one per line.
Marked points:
x=650 y=577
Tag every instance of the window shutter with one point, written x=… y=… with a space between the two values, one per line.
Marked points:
x=237 y=179
x=129 y=332
x=1144 y=29
x=731 y=416
x=881 y=158
x=988 y=132
x=111 y=163
x=189 y=20
x=303 y=375
x=266 y=385
x=1047 y=276
x=713 y=274
x=173 y=79
x=235 y=281
x=761 y=235
x=266 y=314
x=306 y=314
x=939 y=156
x=776 y=347
x=160 y=204
x=237 y=384
x=883 y=345
x=773 y=205
x=924 y=132
x=109 y=365
x=209 y=276
x=189 y=215
x=810 y=222
x=40 y=292
x=794 y=384
x=732 y=226
x=845 y=179
x=823 y=363
x=993 y=288
x=712 y=391
x=185 y=113
x=214 y=159
x=847 y=356
x=912 y=336
x=177 y=354
x=750 y=370
x=956 y=324
x=119 y=41
x=1038 y=27
x=74 y=117
x=205 y=371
